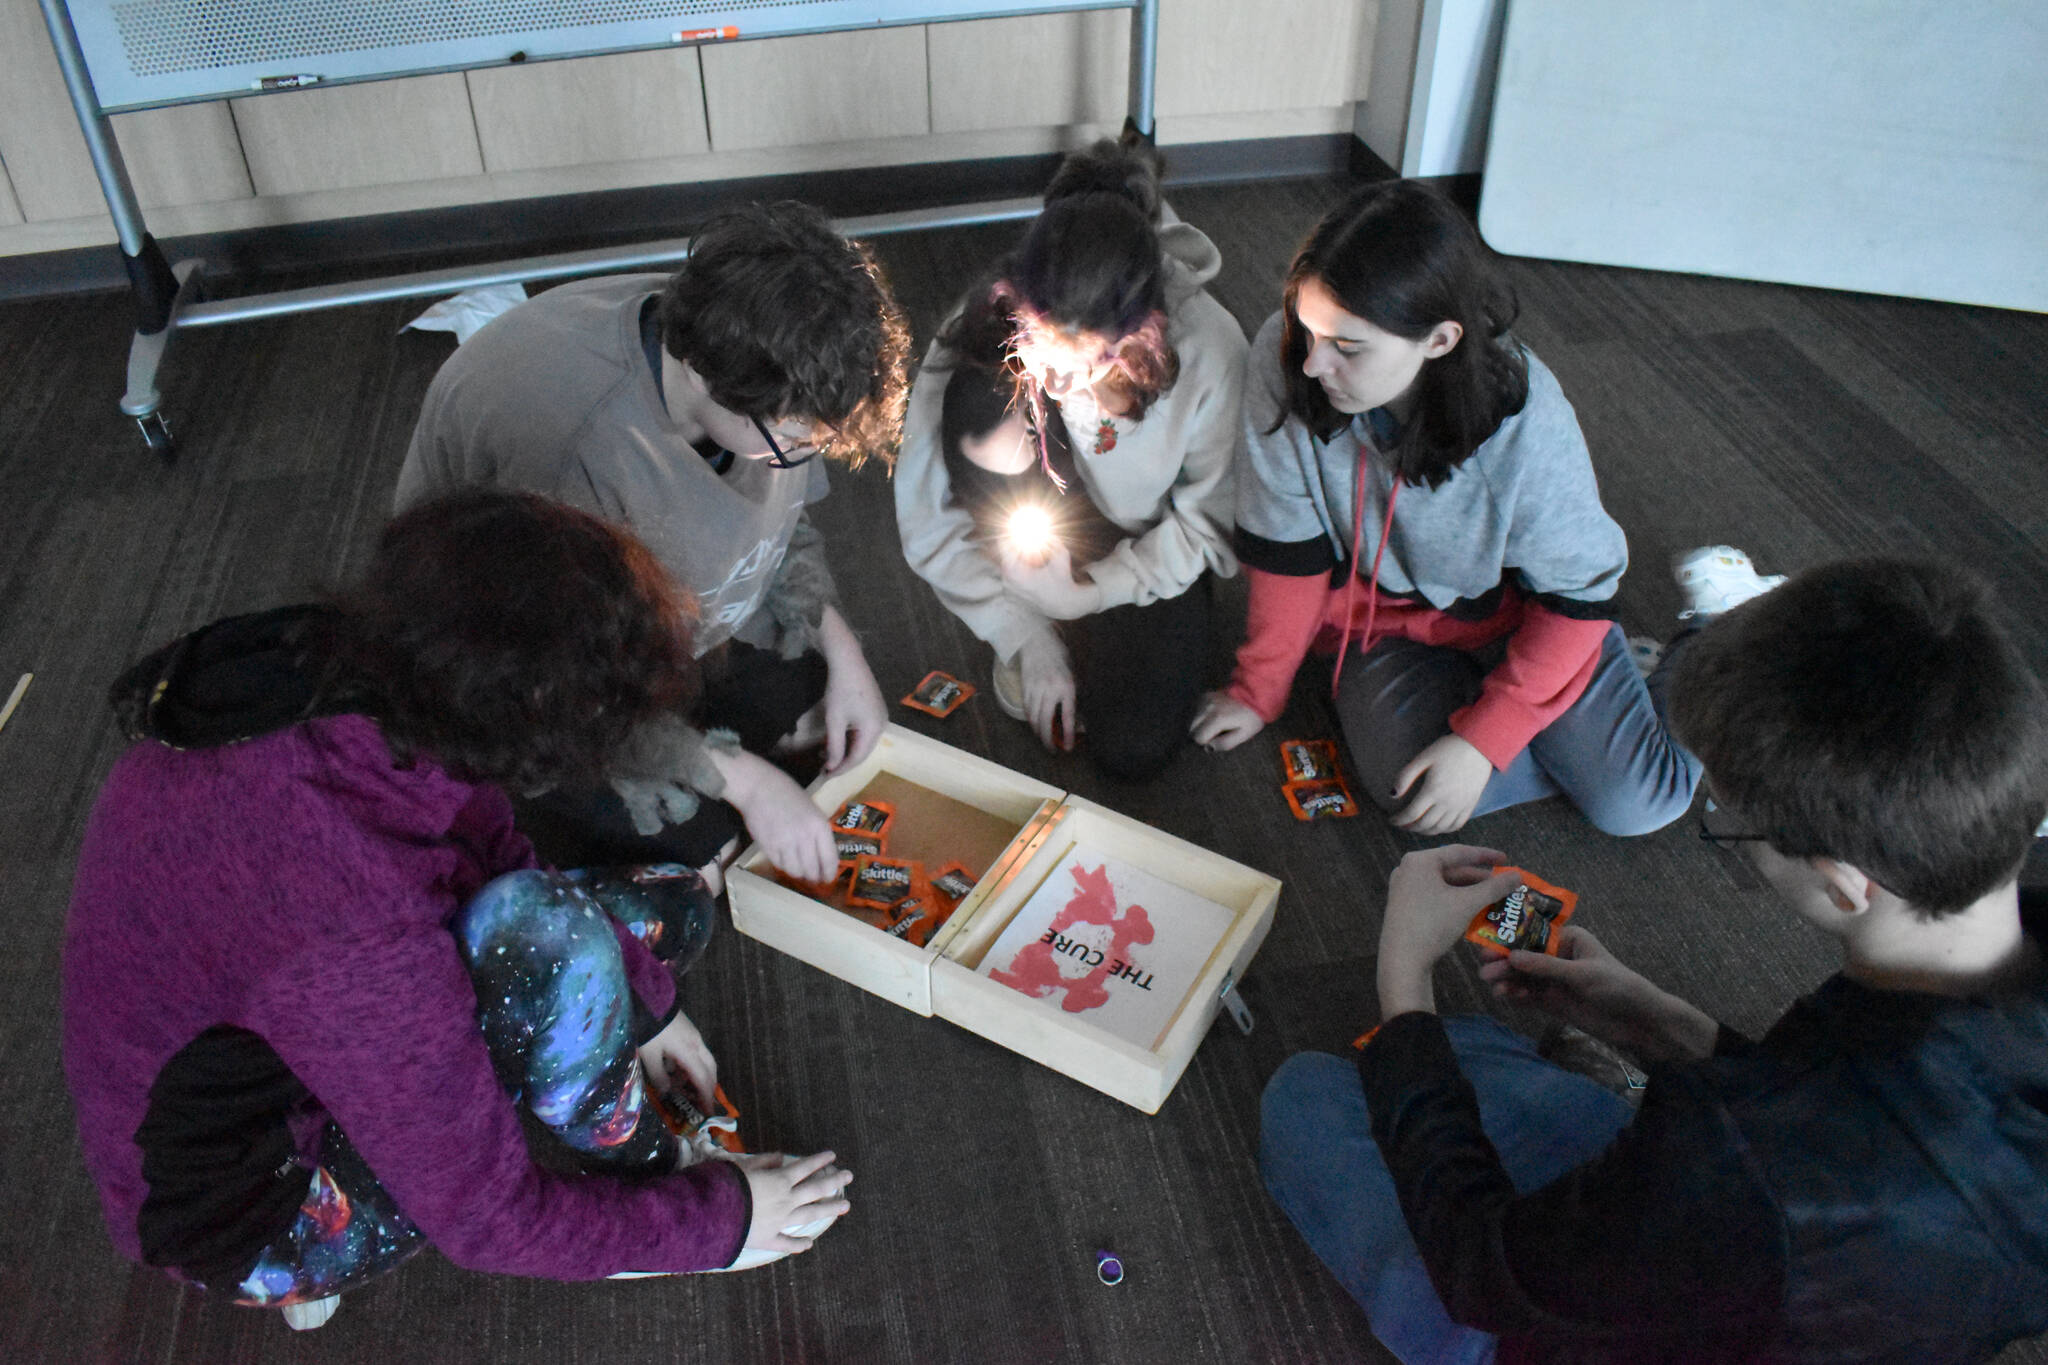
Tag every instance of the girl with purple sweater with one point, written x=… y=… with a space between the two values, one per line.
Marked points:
x=311 y=968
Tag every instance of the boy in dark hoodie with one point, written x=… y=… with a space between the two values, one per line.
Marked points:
x=1869 y=1181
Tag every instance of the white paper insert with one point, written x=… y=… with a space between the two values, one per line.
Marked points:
x=1108 y=943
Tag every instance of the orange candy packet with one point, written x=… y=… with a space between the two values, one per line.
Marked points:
x=940 y=694
x=1528 y=919
x=679 y=1112
x=1321 y=798
x=867 y=817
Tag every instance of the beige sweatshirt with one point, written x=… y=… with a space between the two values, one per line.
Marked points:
x=1166 y=482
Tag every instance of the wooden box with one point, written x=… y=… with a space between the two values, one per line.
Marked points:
x=953 y=803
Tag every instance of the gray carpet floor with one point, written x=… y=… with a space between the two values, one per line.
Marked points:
x=1799 y=424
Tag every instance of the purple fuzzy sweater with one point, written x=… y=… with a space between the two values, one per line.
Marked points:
x=300 y=885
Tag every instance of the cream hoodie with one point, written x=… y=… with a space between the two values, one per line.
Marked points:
x=1166 y=482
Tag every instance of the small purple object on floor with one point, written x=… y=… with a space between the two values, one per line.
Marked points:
x=1108 y=1268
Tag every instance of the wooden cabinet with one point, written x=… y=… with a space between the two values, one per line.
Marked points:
x=873 y=97
x=1045 y=70
x=826 y=87
x=377 y=134
x=1227 y=57
x=184 y=155
x=635 y=106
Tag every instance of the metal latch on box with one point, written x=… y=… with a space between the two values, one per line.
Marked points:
x=1232 y=1001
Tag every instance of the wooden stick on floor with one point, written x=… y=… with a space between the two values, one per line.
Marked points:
x=14 y=698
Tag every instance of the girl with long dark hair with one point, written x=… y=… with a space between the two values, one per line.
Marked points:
x=309 y=961
x=1093 y=384
x=1415 y=495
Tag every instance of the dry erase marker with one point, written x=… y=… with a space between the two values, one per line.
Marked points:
x=706 y=35
x=284 y=82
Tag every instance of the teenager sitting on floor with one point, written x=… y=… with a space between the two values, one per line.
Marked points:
x=1094 y=379
x=691 y=409
x=308 y=956
x=1868 y=1182
x=1414 y=496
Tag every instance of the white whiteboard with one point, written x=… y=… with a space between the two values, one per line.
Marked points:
x=1890 y=146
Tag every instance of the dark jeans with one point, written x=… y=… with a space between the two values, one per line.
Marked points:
x=1139 y=674
x=753 y=692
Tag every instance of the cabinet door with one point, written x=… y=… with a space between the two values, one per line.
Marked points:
x=1224 y=56
x=377 y=133
x=633 y=106
x=827 y=87
x=1047 y=70
x=185 y=155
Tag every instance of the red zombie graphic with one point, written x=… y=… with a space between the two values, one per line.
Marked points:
x=1087 y=939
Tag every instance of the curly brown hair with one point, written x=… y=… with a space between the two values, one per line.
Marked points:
x=781 y=317
x=516 y=640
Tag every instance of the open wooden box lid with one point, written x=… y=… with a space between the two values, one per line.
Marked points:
x=1044 y=825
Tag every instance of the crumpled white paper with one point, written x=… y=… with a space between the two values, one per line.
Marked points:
x=468 y=311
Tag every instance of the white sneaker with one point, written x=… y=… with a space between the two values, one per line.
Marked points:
x=1716 y=578
x=304 y=1317
x=1006 y=684
x=748 y=1260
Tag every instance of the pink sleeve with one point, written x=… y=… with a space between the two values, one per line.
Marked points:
x=1550 y=659
x=1280 y=624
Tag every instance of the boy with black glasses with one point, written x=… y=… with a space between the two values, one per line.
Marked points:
x=691 y=409
x=1870 y=1180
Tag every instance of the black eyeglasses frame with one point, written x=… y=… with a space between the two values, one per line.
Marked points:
x=776 y=459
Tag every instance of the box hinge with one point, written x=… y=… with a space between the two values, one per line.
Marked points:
x=1239 y=1011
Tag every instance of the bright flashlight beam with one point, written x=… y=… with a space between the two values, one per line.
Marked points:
x=1031 y=530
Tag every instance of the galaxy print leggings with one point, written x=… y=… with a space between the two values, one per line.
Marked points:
x=558 y=1014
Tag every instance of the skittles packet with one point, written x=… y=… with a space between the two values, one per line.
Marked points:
x=868 y=817
x=940 y=694
x=952 y=883
x=1528 y=919
x=1325 y=798
x=1306 y=760
x=878 y=883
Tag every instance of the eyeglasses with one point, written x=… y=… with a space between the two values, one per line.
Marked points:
x=777 y=457
x=1725 y=839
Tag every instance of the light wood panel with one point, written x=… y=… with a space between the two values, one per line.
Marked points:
x=372 y=134
x=186 y=155
x=1224 y=56
x=496 y=187
x=627 y=107
x=1050 y=69
x=825 y=88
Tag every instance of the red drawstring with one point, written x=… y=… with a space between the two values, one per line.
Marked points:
x=1372 y=601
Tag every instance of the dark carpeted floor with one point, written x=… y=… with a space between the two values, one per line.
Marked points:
x=1801 y=425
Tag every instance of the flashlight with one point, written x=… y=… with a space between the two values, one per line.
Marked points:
x=1030 y=533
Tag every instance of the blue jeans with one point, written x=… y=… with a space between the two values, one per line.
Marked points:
x=1609 y=753
x=1323 y=1168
